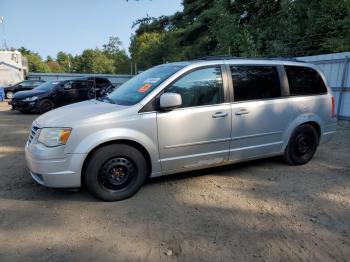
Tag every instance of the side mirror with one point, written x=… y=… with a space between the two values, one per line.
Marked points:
x=169 y=101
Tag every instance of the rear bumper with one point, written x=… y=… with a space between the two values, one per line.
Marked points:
x=64 y=172
x=328 y=133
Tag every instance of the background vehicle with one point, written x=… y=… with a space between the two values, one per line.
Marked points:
x=183 y=116
x=22 y=86
x=54 y=94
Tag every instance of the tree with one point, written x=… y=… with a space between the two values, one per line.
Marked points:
x=114 y=51
x=65 y=61
x=94 y=61
x=243 y=28
x=35 y=63
x=145 y=49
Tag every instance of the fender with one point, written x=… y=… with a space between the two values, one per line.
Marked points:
x=112 y=134
x=299 y=120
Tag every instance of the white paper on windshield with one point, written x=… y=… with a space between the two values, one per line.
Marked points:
x=152 y=80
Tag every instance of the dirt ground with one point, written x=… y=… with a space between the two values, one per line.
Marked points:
x=256 y=211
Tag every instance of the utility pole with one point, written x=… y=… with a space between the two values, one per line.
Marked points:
x=4 y=44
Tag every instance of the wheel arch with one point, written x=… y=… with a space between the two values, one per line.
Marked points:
x=311 y=119
x=129 y=142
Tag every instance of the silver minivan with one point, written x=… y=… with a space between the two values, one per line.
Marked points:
x=183 y=116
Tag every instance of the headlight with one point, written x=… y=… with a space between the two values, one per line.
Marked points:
x=31 y=98
x=54 y=136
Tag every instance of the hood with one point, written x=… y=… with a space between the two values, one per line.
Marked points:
x=25 y=94
x=75 y=114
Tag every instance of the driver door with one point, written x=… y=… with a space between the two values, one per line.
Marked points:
x=197 y=134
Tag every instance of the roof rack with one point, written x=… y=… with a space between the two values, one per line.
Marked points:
x=227 y=57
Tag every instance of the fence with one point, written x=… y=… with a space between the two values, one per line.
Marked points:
x=116 y=80
x=337 y=70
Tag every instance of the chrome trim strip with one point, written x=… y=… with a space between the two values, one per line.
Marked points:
x=199 y=143
x=251 y=147
x=256 y=135
x=195 y=155
x=329 y=133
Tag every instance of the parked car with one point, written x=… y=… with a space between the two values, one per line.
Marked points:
x=183 y=116
x=54 y=94
x=21 y=86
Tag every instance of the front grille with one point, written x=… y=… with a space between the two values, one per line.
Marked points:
x=32 y=134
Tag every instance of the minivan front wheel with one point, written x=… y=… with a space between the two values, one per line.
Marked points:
x=302 y=145
x=115 y=172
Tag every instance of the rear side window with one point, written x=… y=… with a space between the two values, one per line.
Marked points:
x=255 y=82
x=304 y=81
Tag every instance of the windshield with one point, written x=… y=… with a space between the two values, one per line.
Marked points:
x=138 y=87
x=47 y=86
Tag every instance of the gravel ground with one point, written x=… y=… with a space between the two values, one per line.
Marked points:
x=256 y=211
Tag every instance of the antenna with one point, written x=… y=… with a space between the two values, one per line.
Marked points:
x=4 y=44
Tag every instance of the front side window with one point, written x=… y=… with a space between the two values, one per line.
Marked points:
x=255 y=82
x=304 y=81
x=201 y=87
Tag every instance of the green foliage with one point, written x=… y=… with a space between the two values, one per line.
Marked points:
x=65 y=61
x=243 y=28
x=94 y=61
x=35 y=62
x=114 y=51
x=111 y=59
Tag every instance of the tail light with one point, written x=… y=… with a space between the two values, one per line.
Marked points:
x=333 y=107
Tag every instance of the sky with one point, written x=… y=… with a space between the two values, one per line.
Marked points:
x=50 y=26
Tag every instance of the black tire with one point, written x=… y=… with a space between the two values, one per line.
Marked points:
x=9 y=95
x=115 y=172
x=302 y=145
x=45 y=105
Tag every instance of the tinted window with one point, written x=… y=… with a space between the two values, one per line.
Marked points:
x=102 y=83
x=48 y=85
x=27 y=83
x=78 y=84
x=304 y=81
x=36 y=83
x=255 y=82
x=83 y=84
x=201 y=87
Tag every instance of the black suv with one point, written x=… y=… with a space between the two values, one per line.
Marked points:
x=21 y=86
x=54 y=94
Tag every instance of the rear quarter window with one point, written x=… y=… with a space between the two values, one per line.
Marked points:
x=304 y=81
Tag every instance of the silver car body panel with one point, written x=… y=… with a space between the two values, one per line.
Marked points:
x=182 y=139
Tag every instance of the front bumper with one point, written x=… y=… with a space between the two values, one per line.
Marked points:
x=24 y=105
x=52 y=168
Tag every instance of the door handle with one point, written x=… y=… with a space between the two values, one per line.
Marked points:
x=219 y=114
x=242 y=111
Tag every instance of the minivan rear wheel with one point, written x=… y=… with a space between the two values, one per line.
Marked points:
x=302 y=145
x=115 y=172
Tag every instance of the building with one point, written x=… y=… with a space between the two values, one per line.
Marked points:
x=13 y=67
